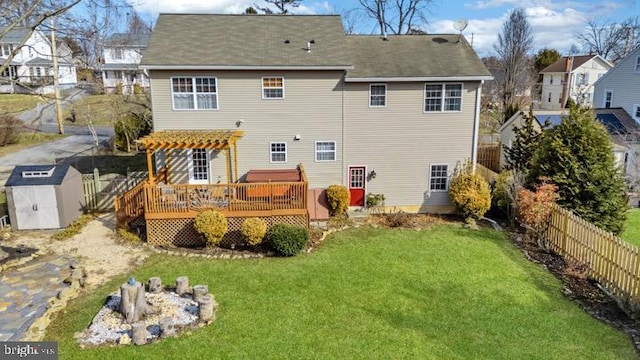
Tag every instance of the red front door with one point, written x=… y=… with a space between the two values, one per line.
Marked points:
x=356 y=185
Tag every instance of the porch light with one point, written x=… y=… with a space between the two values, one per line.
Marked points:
x=372 y=174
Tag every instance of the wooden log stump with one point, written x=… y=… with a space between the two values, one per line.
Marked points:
x=155 y=285
x=199 y=291
x=205 y=308
x=133 y=303
x=182 y=285
x=167 y=327
x=139 y=333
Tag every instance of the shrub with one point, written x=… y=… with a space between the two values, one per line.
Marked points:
x=119 y=88
x=338 y=197
x=10 y=127
x=288 y=240
x=375 y=200
x=534 y=209
x=254 y=229
x=470 y=193
x=505 y=192
x=137 y=89
x=212 y=224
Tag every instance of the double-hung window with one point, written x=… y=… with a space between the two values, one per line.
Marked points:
x=608 y=99
x=273 y=87
x=194 y=93
x=636 y=112
x=377 y=95
x=638 y=64
x=278 y=152
x=442 y=97
x=438 y=178
x=325 y=151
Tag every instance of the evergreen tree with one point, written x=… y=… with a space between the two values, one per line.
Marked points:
x=577 y=156
x=523 y=146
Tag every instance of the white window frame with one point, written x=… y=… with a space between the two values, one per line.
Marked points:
x=384 y=96
x=194 y=94
x=446 y=184
x=275 y=88
x=334 y=151
x=443 y=98
x=191 y=168
x=118 y=53
x=285 y=152
x=604 y=99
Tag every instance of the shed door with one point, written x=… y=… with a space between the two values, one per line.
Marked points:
x=36 y=207
x=356 y=185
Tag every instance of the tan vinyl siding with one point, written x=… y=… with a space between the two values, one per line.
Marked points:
x=624 y=81
x=400 y=141
x=312 y=108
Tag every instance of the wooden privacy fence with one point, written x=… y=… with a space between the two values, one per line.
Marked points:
x=613 y=262
x=489 y=156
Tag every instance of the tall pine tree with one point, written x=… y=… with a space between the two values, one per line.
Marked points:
x=577 y=156
x=527 y=139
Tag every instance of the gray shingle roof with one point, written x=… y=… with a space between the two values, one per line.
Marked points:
x=208 y=40
x=16 y=178
x=413 y=56
x=14 y=36
x=128 y=40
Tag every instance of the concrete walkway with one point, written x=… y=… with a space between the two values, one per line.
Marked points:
x=25 y=292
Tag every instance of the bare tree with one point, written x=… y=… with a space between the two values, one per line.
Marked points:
x=513 y=47
x=397 y=16
x=137 y=25
x=611 y=40
x=282 y=6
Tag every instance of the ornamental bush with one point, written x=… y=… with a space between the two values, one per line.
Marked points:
x=470 y=193
x=534 y=209
x=338 y=197
x=254 y=230
x=287 y=240
x=137 y=89
x=212 y=224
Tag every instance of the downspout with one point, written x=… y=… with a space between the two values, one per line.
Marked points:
x=344 y=154
x=476 y=127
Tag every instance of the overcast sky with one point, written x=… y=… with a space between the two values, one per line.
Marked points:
x=555 y=23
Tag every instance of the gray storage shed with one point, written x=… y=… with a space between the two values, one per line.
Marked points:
x=44 y=196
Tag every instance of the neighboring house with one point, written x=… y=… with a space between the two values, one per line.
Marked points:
x=389 y=115
x=572 y=77
x=624 y=133
x=122 y=54
x=31 y=69
x=620 y=87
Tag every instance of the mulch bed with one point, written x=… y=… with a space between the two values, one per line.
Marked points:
x=583 y=290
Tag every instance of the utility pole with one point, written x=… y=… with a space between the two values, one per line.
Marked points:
x=56 y=87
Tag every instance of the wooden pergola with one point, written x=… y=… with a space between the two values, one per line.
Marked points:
x=224 y=140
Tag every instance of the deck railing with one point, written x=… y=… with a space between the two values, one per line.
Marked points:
x=130 y=205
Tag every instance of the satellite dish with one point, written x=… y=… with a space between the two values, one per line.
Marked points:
x=460 y=25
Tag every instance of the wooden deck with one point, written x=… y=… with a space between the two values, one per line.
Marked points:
x=180 y=201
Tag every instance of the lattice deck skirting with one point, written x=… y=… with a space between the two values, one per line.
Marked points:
x=181 y=233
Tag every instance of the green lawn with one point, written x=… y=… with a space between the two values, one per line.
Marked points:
x=632 y=227
x=104 y=109
x=17 y=103
x=444 y=293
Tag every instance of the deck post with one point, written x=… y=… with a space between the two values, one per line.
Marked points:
x=150 y=167
x=235 y=161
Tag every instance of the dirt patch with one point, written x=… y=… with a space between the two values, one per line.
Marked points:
x=583 y=290
x=95 y=248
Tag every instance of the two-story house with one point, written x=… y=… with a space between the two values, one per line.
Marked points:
x=571 y=77
x=386 y=115
x=31 y=69
x=620 y=87
x=122 y=54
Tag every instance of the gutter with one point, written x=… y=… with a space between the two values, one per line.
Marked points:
x=476 y=127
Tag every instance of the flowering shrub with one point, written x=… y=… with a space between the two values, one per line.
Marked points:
x=534 y=208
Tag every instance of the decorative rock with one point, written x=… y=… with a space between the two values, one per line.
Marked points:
x=167 y=327
x=155 y=285
x=199 y=291
x=139 y=333
x=124 y=340
x=205 y=308
x=182 y=285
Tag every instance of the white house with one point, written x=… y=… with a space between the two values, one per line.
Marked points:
x=572 y=77
x=620 y=87
x=122 y=54
x=31 y=69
